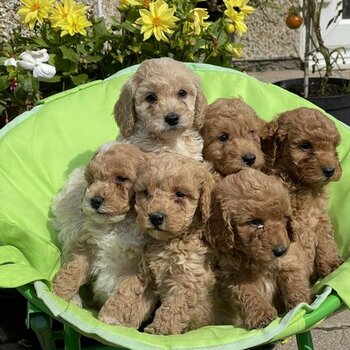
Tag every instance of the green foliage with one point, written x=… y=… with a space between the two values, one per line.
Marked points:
x=103 y=51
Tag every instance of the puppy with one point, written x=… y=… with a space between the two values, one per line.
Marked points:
x=261 y=270
x=172 y=204
x=162 y=107
x=96 y=225
x=304 y=156
x=232 y=136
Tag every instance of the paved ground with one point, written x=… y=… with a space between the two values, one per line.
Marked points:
x=331 y=334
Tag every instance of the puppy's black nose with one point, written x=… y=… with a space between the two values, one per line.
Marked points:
x=328 y=171
x=279 y=251
x=172 y=119
x=249 y=159
x=156 y=219
x=96 y=202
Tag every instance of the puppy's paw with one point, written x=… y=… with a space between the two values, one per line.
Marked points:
x=260 y=318
x=76 y=300
x=117 y=317
x=109 y=318
x=296 y=297
x=162 y=328
x=329 y=266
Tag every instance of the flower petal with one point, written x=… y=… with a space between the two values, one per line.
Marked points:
x=10 y=62
x=44 y=71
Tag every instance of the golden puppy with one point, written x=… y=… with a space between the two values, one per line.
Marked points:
x=304 y=155
x=261 y=270
x=96 y=222
x=232 y=136
x=172 y=204
x=162 y=108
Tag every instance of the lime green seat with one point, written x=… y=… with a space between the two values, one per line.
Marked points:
x=41 y=147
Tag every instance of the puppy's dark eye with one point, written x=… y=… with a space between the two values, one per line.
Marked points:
x=151 y=98
x=180 y=194
x=120 y=179
x=182 y=93
x=146 y=194
x=224 y=137
x=305 y=146
x=256 y=222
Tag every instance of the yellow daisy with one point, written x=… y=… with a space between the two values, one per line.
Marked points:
x=235 y=51
x=159 y=19
x=195 y=21
x=34 y=11
x=62 y=10
x=237 y=18
x=240 y=6
x=74 y=23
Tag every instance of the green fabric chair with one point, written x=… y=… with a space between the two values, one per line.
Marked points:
x=41 y=147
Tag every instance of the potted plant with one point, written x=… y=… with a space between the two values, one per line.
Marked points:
x=331 y=94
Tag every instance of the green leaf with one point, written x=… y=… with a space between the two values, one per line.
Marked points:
x=70 y=54
x=41 y=42
x=2 y=60
x=27 y=85
x=129 y=27
x=2 y=108
x=54 y=79
x=80 y=79
x=100 y=28
x=35 y=84
x=93 y=59
x=81 y=49
x=3 y=83
x=65 y=66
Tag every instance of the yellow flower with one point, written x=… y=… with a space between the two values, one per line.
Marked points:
x=195 y=21
x=235 y=51
x=159 y=19
x=74 y=23
x=34 y=11
x=240 y=6
x=236 y=17
x=62 y=10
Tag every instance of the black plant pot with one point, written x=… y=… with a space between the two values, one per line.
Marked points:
x=337 y=105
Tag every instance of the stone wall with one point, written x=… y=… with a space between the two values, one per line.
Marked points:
x=267 y=38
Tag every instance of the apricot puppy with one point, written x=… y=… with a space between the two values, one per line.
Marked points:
x=304 y=155
x=172 y=204
x=261 y=269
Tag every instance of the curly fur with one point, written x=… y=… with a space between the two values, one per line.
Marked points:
x=303 y=146
x=232 y=136
x=143 y=122
x=99 y=243
x=261 y=270
x=176 y=268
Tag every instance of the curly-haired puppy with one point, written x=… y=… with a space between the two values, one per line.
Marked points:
x=162 y=107
x=172 y=204
x=96 y=222
x=304 y=156
x=261 y=270
x=232 y=136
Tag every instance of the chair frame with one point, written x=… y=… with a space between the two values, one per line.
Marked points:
x=40 y=321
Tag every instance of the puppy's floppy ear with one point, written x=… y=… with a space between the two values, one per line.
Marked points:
x=219 y=232
x=272 y=139
x=205 y=198
x=290 y=230
x=201 y=107
x=124 y=109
